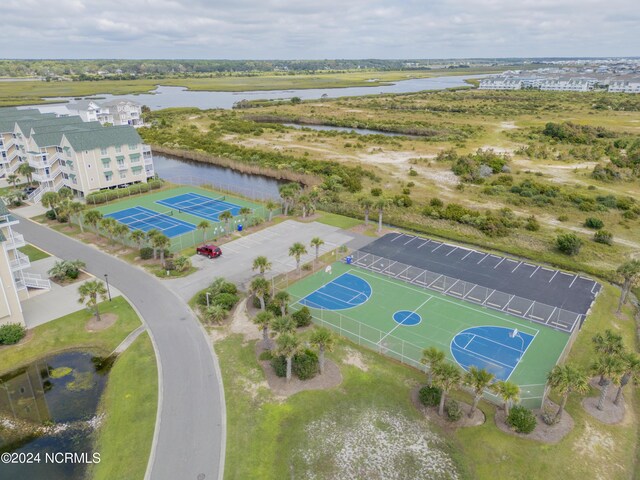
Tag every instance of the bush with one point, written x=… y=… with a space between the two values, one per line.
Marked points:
x=412 y=172
x=603 y=236
x=453 y=410
x=302 y=317
x=255 y=301
x=532 y=224
x=306 y=365
x=563 y=218
x=225 y=300
x=549 y=415
x=376 y=191
x=436 y=202
x=279 y=365
x=568 y=243
x=594 y=223
x=266 y=355
x=430 y=396
x=146 y=253
x=11 y=333
x=51 y=215
x=521 y=419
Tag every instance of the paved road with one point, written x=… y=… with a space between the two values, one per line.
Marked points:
x=191 y=429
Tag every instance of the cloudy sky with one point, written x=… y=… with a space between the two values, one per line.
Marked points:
x=291 y=29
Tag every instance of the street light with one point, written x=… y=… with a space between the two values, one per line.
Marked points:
x=106 y=279
x=208 y=299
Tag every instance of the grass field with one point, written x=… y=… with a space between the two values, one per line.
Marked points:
x=33 y=253
x=129 y=402
x=371 y=323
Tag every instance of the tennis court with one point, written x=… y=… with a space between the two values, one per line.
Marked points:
x=200 y=206
x=140 y=218
x=401 y=320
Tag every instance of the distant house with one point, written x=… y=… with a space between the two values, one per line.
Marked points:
x=567 y=85
x=114 y=112
x=501 y=83
x=624 y=86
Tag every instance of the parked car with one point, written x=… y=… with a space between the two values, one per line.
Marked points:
x=29 y=189
x=210 y=251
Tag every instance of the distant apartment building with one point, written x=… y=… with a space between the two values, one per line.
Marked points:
x=115 y=112
x=624 y=86
x=66 y=151
x=567 y=85
x=14 y=281
x=538 y=83
x=501 y=83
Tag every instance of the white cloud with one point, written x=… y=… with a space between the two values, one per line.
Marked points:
x=319 y=28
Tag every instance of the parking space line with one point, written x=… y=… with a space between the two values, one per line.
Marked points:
x=451 y=252
x=422 y=245
x=470 y=252
x=534 y=272
x=516 y=267
x=499 y=263
x=554 y=276
x=437 y=247
x=482 y=259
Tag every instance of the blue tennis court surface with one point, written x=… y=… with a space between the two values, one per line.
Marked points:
x=345 y=291
x=200 y=206
x=140 y=218
x=495 y=349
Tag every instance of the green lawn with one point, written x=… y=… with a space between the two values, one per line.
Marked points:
x=371 y=323
x=33 y=253
x=129 y=402
x=336 y=220
x=69 y=332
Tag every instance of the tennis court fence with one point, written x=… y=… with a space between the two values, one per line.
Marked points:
x=554 y=317
x=406 y=352
x=254 y=193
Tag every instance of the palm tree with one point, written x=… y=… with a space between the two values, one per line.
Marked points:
x=121 y=231
x=64 y=210
x=215 y=314
x=26 y=171
x=282 y=325
x=138 y=237
x=565 y=380
x=263 y=320
x=244 y=213
x=281 y=299
x=366 y=203
x=296 y=251
x=226 y=217
x=305 y=203
x=13 y=179
x=161 y=242
x=288 y=345
x=509 y=392
x=288 y=193
x=65 y=193
x=431 y=357
x=630 y=273
x=182 y=263
x=317 y=242
x=324 y=340
x=380 y=204
x=608 y=344
x=631 y=372
x=75 y=210
x=51 y=201
x=478 y=379
x=90 y=292
x=446 y=376
x=610 y=368
x=262 y=264
x=108 y=224
x=204 y=226
x=92 y=218
x=260 y=287
x=271 y=206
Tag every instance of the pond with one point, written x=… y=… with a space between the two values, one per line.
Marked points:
x=167 y=97
x=187 y=172
x=50 y=406
x=359 y=131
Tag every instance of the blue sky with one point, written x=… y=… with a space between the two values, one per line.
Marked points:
x=287 y=29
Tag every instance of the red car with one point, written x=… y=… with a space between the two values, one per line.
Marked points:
x=210 y=251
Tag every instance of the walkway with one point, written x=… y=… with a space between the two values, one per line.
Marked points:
x=190 y=432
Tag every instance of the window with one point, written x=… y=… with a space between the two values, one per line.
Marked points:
x=133 y=147
x=118 y=148
x=123 y=174
x=108 y=176
x=103 y=151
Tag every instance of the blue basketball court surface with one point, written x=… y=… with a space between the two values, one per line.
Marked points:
x=343 y=292
x=140 y=218
x=200 y=206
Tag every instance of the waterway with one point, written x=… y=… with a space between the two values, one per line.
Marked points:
x=48 y=407
x=359 y=131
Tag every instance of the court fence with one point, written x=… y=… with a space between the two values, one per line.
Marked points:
x=554 y=317
x=253 y=193
x=408 y=353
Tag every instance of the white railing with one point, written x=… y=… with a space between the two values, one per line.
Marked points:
x=15 y=241
x=21 y=261
x=33 y=280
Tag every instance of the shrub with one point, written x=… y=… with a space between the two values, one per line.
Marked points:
x=169 y=265
x=279 y=365
x=549 y=416
x=430 y=396
x=412 y=172
x=66 y=269
x=228 y=287
x=51 y=215
x=302 y=317
x=521 y=419
x=11 y=333
x=594 y=223
x=266 y=355
x=255 y=301
x=603 y=236
x=532 y=224
x=225 y=300
x=376 y=191
x=563 y=218
x=568 y=243
x=306 y=365
x=453 y=410
x=146 y=253
x=436 y=202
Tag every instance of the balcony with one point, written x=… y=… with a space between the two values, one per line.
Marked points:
x=7 y=220
x=15 y=241
x=122 y=166
x=20 y=262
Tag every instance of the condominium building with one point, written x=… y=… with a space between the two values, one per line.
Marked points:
x=67 y=151
x=624 y=87
x=14 y=281
x=500 y=83
x=114 y=112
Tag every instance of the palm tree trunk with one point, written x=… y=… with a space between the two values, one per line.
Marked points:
x=430 y=377
x=379 y=221
x=562 y=405
x=317 y=251
x=603 y=395
x=265 y=337
x=623 y=382
x=97 y=311
x=283 y=309
x=366 y=217
x=155 y=253
x=162 y=257
x=81 y=225
x=289 y=361
x=506 y=408
x=321 y=359
x=262 y=304
x=298 y=265
x=476 y=399
x=441 y=407
x=618 y=395
x=304 y=211
x=270 y=214
x=601 y=381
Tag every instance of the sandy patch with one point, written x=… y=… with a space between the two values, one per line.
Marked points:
x=242 y=324
x=611 y=414
x=106 y=320
x=354 y=358
x=374 y=155
x=508 y=125
x=593 y=443
x=440 y=177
